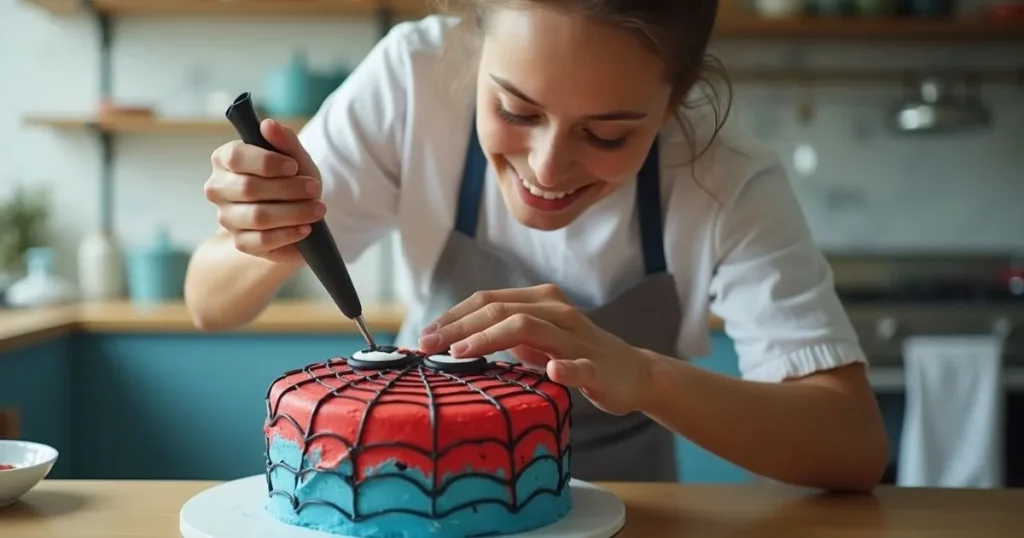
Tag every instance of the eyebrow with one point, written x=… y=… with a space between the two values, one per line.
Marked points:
x=618 y=115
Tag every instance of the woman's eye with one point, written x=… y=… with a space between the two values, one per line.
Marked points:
x=514 y=119
x=606 y=143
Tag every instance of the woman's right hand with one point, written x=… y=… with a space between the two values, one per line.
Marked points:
x=266 y=200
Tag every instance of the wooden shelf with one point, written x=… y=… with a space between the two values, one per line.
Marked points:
x=855 y=76
x=729 y=27
x=146 y=125
x=56 y=7
x=882 y=29
x=124 y=8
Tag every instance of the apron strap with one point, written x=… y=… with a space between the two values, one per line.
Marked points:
x=648 y=197
x=474 y=171
x=648 y=201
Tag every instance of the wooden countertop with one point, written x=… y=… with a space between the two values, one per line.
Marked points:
x=20 y=328
x=149 y=509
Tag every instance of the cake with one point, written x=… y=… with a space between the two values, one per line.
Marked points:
x=393 y=443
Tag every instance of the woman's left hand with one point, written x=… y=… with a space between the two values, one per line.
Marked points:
x=538 y=326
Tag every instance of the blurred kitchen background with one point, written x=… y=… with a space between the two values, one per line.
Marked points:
x=902 y=122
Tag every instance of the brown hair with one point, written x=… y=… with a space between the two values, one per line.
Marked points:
x=676 y=30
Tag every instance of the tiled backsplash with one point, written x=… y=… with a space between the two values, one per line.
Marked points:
x=877 y=190
x=872 y=190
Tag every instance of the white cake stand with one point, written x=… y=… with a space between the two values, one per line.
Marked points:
x=236 y=509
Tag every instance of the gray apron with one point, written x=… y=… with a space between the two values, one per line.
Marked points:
x=604 y=447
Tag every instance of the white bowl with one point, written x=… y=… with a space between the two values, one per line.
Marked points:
x=31 y=461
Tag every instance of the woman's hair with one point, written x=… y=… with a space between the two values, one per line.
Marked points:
x=677 y=30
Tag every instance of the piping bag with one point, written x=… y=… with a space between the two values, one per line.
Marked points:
x=318 y=248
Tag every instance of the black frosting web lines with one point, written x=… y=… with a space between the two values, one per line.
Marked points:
x=419 y=385
x=433 y=442
x=307 y=439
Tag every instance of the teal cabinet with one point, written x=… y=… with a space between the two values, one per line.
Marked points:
x=35 y=383
x=697 y=465
x=191 y=405
x=181 y=406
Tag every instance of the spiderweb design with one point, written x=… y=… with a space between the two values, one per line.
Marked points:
x=428 y=428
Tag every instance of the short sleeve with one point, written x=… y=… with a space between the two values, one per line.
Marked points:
x=773 y=288
x=356 y=139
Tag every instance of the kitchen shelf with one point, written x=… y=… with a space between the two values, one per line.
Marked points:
x=729 y=27
x=868 y=29
x=846 y=77
x=141 y=8
x=57 y=7
x=155 y=125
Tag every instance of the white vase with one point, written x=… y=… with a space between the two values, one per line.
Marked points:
x=100 y=268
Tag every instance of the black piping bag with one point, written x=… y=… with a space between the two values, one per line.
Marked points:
x=318 y=248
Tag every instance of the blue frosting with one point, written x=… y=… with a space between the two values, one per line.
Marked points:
x=464 y=515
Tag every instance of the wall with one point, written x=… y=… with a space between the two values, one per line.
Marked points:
x=872 y=191
x=159 y=179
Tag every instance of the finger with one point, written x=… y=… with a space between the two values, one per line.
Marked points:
x=287 y=141
x=262 y=243
x=480 y=299
x=270 y=215
x=242 y=158
x=286 y=255
x=559 y=314
x=519 y=330
x=231 y=187
x=529 y=356
x=573 y=372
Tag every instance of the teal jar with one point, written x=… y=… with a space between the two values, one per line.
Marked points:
x=327 y=82
x=290 y=91
x=156 y=273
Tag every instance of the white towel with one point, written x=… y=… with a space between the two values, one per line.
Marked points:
x=953 y=422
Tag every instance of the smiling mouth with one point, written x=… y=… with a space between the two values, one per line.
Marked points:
x=547 y=200
x=545 y=194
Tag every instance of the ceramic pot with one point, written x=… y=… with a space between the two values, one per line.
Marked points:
x=289 y=90
x=156 y=273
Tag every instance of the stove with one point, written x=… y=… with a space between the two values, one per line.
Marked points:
x=889 y=298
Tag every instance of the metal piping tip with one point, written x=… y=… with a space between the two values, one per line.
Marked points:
x=361 y=323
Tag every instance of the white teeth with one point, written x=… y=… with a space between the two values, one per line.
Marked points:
x=547 y=195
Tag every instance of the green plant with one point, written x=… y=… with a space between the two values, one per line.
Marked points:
x=24 y=219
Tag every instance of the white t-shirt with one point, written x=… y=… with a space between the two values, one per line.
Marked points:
x=391 y=142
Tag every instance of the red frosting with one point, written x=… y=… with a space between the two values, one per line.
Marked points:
x=4 y=467
x=397 y=408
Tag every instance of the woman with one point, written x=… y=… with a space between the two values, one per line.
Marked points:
x=565 y=205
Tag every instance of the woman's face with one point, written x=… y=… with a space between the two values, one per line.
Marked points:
x=567 y=110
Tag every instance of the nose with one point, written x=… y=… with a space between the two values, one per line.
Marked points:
x=550 y=159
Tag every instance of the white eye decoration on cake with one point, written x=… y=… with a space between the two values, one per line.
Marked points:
x=444 y=362
x=381 y=358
